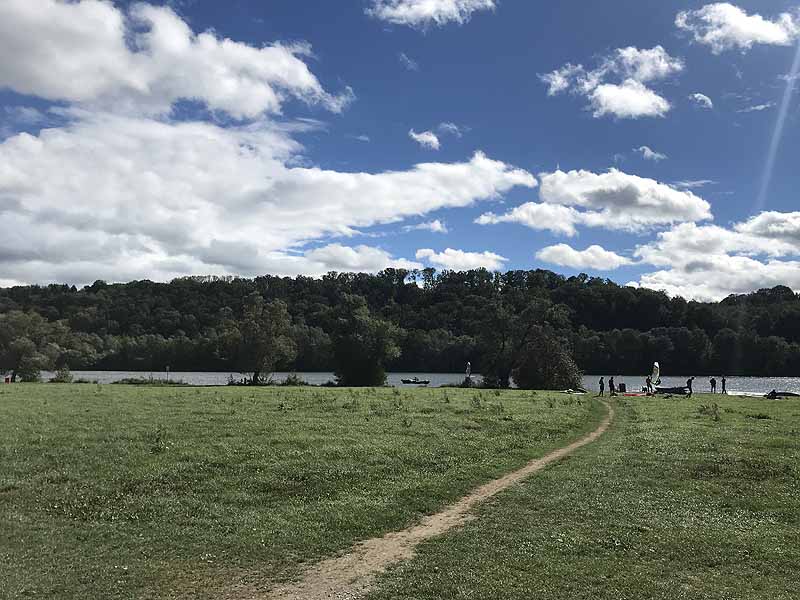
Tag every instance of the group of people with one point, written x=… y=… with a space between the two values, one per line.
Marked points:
x=650 y=386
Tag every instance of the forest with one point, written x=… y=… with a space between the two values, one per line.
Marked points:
x=395 y=320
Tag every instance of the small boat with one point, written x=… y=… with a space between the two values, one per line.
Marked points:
x=678 y=391
x=416 y=381
x=773 y=395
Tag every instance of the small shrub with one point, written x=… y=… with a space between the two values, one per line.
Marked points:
x=63 y=375
x=293 y=380
x=760 y=417
x=710 y=411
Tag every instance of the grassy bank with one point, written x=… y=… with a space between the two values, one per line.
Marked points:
x=683 y=499
x=135 y=492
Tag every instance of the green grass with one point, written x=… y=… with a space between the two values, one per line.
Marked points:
x=679 y=500
x=111 y=492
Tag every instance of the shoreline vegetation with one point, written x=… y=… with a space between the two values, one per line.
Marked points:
x=362 y=326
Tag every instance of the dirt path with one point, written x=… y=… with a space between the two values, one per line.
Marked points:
x=349 y=577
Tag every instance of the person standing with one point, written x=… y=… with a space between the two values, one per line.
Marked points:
x=689 y=383
x=724 y=385
x=649 y=383
x=612 y=390
x=713 y=382
x=602 y=384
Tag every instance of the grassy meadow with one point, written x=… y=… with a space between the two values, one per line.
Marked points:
x=110 y=492
x=684 y=498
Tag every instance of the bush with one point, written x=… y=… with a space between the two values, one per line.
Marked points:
x=545 y=364
x=293 y=380
x=63 y=375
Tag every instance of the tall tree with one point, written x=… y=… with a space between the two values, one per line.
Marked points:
x=261 y=339
x=362 y=344
x=30 y=344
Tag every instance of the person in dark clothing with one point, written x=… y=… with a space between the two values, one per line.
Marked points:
x=724 y=385
x=649 y=383
x=602 y=384
x=689 y=383
x=713 y=382
x=612 y=390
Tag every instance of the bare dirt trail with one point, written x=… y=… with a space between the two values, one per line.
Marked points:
x=350 y=576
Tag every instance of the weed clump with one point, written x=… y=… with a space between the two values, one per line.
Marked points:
x=710 y=411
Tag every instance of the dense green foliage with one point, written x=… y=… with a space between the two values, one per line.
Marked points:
x=439 y=322
x=121 y=492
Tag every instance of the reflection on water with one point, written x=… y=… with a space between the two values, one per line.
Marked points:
x=744 y=385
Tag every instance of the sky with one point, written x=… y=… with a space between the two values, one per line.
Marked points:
x=652 y=143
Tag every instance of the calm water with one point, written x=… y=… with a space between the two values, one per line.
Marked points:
x=742 y=385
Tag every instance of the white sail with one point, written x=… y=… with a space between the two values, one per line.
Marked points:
x=656 y=376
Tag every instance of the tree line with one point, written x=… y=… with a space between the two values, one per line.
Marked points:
x=360 y=325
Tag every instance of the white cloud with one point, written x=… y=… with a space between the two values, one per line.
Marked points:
x=724 y=26
x=562 y=79
x=458 y=260
x=594 y=257
x=409 y=63
x=426 y=139
x=364 y=259
x=435 y=226
x=693 y=184
x=757 y=108
x=709 y=262
x=628 y=99
x=622 y=201
x=452 y=129
x=612 y=200
x=557 y=219
x=650 y=154
x=654 y=64
x=425 y=13
x=118 y=197
x=702 y=100
x=774 y=225
x=361 y=138
x=141 y=62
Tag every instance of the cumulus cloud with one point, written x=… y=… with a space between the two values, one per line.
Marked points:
x=650 y=154
x=775 y=226
x=129 y=197
x=143 y=61
x=435 y=226
x=702 y=101
x=710 y=262
x=426 y=139
x=561 y=220
x=458 y=260
x=630 y=98
x=724 y=26
x=613 y=200
x=364 y=259
x=594 y=257
x=426 y=13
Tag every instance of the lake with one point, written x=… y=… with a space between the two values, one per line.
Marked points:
x=740 y=385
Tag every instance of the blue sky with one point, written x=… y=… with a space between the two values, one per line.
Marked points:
x=103 y=135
